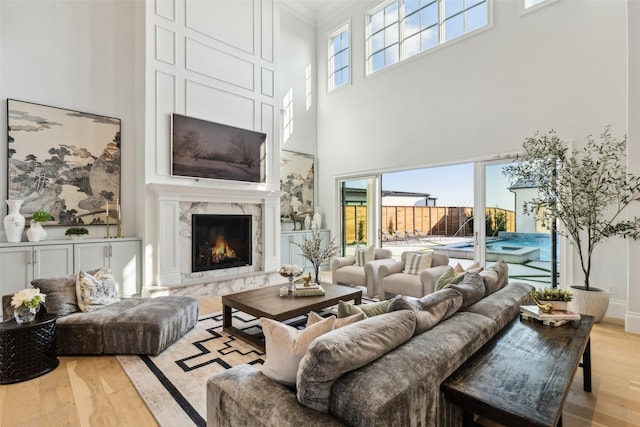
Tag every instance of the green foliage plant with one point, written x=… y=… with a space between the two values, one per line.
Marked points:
x=551 y=294
x=42 y=216
x=586 y=190
x=76 y=231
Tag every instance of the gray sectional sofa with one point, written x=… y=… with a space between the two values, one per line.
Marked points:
x=400 y=386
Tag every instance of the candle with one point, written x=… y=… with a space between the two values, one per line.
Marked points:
x=118 y=209
x=107 y=213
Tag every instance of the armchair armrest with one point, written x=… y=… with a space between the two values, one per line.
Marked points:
x=372 y=273
x=386 y=269
x=340 y=262
x=430 y=276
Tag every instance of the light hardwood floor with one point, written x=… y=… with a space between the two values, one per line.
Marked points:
x=94 y=391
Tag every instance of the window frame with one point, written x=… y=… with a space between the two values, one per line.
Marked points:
x=331 y=71
x=440 y=25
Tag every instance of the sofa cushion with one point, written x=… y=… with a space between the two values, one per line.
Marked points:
x=430 y=309
x=61 y=294
x=449 y=276
x=314 y=317
x=332 y=355
x=96 y=291
x=495 y=277
x=285 y=346
x=415 y=262
x=369 y=310
x=365 y=255
x=475 y=266
x=351 y=275
x=504 y=305
x=472 y=288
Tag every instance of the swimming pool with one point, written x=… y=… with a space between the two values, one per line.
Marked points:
x=510 y=247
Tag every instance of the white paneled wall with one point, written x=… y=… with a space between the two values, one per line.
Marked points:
x=216 y=61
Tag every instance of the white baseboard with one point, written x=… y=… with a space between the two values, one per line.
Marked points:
x=617 y=309
x=632 y=322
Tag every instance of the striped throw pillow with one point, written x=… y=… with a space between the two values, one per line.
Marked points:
x=415 y=262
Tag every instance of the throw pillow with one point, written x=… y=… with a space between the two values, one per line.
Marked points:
x=430 y=309
x=344 y=350
x=495 y=277
x=473 y=267
x=415 y=263
x=364 y=256
x=285 y=346
x=449 y=276
x=472 y=288
x=314 y=318
x=61 y=294
x=369 y=310
x=96 y=291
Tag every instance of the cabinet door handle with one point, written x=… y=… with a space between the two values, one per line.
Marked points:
x=110 y=251
x=36 y=256
x=30 y=258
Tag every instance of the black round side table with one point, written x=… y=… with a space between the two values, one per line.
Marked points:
x=27 y=350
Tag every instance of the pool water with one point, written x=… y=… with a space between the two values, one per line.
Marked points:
x=529 y=240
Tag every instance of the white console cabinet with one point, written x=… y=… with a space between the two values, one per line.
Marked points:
x=121 y=256
x=22 y=262
x=290 y=253
x=19 y=265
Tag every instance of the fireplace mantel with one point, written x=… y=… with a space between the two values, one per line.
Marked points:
x=169 y=236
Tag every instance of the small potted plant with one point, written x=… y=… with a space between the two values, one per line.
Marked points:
x=557 y=297
x=36 y=232
x=76 y=232
x=313 y=251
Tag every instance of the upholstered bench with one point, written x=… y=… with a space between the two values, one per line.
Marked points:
x=129 y=326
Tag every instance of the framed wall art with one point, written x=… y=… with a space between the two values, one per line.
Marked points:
x=64 y=162
x=297 y=184
x=203 y=149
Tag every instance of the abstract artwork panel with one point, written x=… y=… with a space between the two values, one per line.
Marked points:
x=297 y=183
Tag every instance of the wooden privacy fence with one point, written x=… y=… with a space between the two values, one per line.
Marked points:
x=432 y=220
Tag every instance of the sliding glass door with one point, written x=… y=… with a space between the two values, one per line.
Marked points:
x=359 y=212
x=507 y=232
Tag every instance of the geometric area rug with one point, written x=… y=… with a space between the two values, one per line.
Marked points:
x=173 y=383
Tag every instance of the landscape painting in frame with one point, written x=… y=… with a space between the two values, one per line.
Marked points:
x=203 y=149
x=296 y=182
x=64 y=162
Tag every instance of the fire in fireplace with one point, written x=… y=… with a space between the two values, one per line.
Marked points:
x=220 y=241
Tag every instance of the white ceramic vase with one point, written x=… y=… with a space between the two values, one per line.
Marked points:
x=14 y=221
x=307 y=222
x=316 y=223
x=36 y=232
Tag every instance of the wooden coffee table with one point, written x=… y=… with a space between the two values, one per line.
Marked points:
x=267 y=302
x=522 y=376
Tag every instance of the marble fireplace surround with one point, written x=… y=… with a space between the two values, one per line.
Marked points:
x=175 y=205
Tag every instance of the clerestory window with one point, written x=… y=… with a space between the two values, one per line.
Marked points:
x=339 y=62
x=531 y=3
x=400 y=29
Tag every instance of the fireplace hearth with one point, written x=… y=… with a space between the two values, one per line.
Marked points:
x=221 y=241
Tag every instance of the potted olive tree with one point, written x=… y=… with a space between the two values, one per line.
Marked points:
x=587 y=191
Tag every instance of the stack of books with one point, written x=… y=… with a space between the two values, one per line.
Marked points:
x=554 y=318
x=313 y=290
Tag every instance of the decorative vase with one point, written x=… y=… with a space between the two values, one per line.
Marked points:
x=307 y=222
x=593 y=302
x=14 y=221
x=36 y=232
x=316 y=269
x=316 y=223
x=25 y=314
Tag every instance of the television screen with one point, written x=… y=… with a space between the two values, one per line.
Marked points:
x=203 y=149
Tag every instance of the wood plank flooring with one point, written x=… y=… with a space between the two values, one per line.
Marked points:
x=95 y=391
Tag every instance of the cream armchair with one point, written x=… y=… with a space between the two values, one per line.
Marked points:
x=394 y=282
x=345 y=270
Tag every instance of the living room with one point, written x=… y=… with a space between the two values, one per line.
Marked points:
x=566 y=65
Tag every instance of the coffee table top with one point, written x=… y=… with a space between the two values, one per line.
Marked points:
x=267 y=302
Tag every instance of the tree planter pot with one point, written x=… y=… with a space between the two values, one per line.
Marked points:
x=593 y=302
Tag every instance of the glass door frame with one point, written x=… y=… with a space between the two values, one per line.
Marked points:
x=374 y=208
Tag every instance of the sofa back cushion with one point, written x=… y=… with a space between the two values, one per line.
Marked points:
x=472 y=288
x=61 y=294
x=343 y=350
x=430 y=309
x=495 y=277
x=346 y=309
x=285 y=346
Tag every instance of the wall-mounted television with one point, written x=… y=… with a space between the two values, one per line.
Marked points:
x=203 y=149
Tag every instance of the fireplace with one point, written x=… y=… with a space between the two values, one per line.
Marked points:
x=220 y=241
